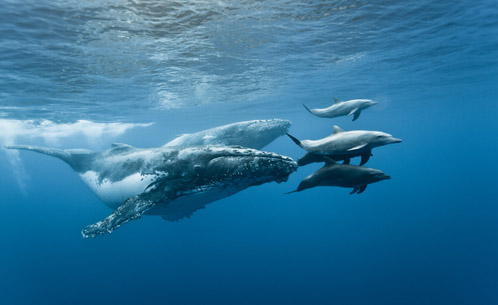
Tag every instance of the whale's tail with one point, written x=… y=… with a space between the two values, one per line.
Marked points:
x=70 y=156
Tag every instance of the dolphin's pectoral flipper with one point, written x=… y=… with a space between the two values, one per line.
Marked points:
x=133 y=208
x=358 y=147
x=365 y=157
x=358 y=189
x=356 y=114
x=362 y=189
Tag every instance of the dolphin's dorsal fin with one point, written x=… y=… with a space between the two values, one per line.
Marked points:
x=120 y=147
x=337 y=101
x=113 y=145
x=337 y=129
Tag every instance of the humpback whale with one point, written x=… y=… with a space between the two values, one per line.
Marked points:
x=251 y=134
x=172 y=182
x=343 y=175
x=340 y=108
x=343 y=145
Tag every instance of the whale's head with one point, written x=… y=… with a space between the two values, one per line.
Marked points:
x=196 y=176
x=259 y=133
x=220 y=169
x=229 y=165
x=251 y=134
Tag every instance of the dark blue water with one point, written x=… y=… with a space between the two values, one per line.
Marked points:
x=83 y=74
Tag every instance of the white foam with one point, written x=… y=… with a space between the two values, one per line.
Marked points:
x=50 y=132
x=14 y=131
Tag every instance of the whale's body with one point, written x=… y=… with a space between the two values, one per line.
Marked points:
x=251 y=134
x=340 y=108
x=170 y=181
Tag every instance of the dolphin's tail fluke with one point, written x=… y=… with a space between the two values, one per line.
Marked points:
x=69 y=156
x=309 y=158
x=308 y=109
x=295 y=140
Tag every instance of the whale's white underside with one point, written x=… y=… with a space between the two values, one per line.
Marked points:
x=114 y=193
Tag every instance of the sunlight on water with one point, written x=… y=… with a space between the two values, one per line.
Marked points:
x=153 y=55
x=160 y=76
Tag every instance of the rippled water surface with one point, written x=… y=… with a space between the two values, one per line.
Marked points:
x=84 y=74
x=132 y=58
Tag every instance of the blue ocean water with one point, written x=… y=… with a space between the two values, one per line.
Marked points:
x=83 y=74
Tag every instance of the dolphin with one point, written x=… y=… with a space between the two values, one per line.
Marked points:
x=343 y=145
x=343 y=175
x=340 y=108
x=251 y=134
x=167 y=181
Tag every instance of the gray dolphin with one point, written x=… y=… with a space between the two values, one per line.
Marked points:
x=340 y=108
x=343 y=145
x=167 y=181
x=343 y=175
x=252 y=134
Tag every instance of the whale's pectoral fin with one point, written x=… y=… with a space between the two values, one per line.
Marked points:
x=133 y=208
x=70 y=156
x=362 y=189
x=365 y=157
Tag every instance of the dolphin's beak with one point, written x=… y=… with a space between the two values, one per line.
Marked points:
x=397 y=140
x=387 y=177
